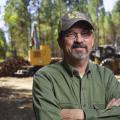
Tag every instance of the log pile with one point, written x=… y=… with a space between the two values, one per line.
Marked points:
x=11 y=65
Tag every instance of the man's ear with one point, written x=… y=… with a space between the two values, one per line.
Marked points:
x=61 y=42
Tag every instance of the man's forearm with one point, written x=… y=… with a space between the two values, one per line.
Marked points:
x=72 y=114
x=113 y=102
x=78 y=114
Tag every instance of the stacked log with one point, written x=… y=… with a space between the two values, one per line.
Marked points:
x=11 y=65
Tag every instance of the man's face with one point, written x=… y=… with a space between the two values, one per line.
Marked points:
x=78 y=43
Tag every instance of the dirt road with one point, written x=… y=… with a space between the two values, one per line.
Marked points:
x=16 y=98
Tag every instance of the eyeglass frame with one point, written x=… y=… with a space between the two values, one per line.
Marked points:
x=75 y=35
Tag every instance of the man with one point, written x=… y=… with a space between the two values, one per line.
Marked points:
x=76 y=89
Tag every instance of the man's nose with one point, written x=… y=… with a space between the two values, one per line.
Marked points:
x=79 y=38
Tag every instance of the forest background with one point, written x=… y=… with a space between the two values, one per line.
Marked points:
x=20 y=14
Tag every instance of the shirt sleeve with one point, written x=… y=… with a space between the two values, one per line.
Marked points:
x=45 y=105
x=112 y=91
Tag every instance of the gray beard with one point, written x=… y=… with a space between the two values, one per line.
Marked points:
x=80 y=56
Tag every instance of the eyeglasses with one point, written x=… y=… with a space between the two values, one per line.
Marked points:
x=74 y=36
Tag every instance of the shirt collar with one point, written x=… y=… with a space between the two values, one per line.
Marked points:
x=72 y=71
x=68 y=67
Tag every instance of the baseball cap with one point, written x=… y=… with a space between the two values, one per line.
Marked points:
x=70 y=18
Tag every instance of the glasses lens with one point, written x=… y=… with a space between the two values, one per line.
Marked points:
x=86 y=33
x=71 y=36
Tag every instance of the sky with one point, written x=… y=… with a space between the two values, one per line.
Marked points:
x=108 y=4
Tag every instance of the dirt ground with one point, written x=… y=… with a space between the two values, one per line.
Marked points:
x=16 y=98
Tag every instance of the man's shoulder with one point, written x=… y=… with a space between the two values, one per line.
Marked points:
x=51 y=68
x=98 y=68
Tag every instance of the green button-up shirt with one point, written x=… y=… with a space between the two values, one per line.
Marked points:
x=58 y=86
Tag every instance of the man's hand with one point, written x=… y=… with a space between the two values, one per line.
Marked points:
x=113 y=102
x=72 y=114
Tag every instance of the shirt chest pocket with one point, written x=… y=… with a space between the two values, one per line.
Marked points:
x=69 y=106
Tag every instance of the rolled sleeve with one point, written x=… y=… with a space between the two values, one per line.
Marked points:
x=90 y=114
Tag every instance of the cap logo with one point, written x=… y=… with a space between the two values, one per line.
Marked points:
x=75 y=15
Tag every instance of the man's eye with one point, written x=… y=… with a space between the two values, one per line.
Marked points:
x=70 y=35
x=86 y=33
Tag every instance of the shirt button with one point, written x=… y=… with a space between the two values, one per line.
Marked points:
x=83 y=88
x=84 y=105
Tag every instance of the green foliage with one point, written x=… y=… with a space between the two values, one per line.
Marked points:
x=116 y=14
x=48 y=18
x=47 y=15
x=112 y=24
x=3 y=45
x=18 y=20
